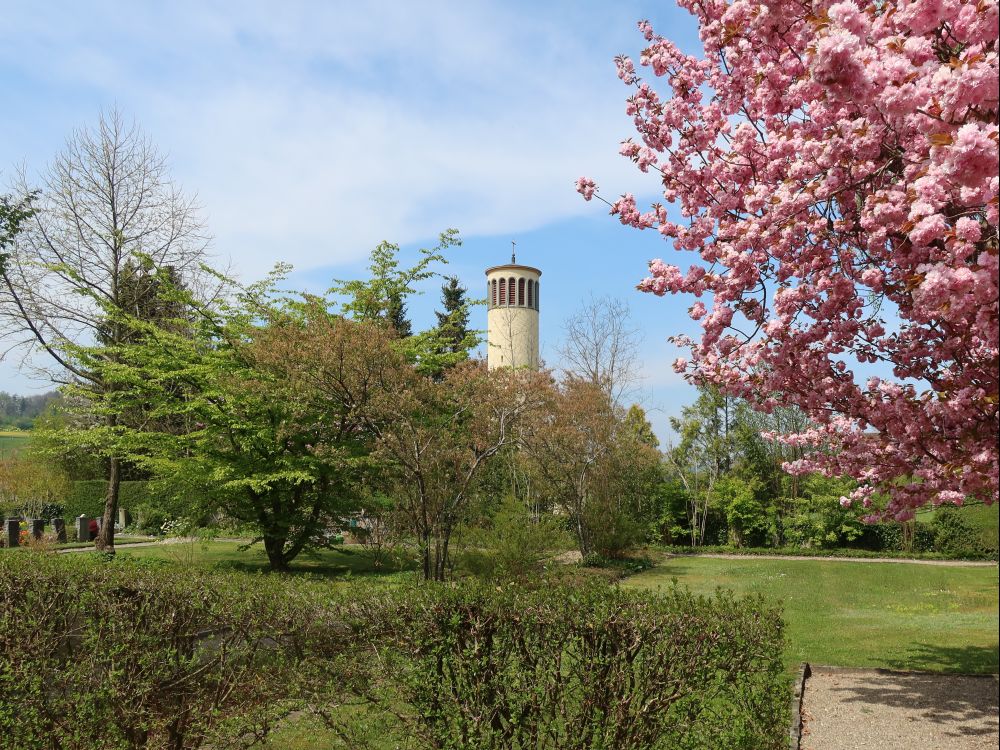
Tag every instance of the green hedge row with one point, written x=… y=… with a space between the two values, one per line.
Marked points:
x=124 y=654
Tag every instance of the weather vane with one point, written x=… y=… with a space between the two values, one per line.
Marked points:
x=513 y=258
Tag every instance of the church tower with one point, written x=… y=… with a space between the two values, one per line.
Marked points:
x=512 y=315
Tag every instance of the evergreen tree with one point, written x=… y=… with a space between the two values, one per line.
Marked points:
x=453 y=323
x=396 y=316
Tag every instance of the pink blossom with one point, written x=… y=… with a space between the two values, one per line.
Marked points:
x=586 y=187
x=835 y=168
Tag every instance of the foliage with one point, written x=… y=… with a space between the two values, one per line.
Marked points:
x=594 y=464
x=835 y=166
x=746 y=517
x=178 y=657
x=128 y=655
x=30 y=487
x=557 y=667
x=955 y=535
x=514 y=543
x=818 y=519
x=437 y=435
x=278 y=391
x=20 y=412
x=704 y=453
x=453 y=321
x=381 y=299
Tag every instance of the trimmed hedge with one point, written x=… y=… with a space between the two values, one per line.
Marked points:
x=87 y=497
x=120 y=654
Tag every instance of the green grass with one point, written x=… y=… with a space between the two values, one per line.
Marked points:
x=335 y=563
x=889 y=615
x=12 y=443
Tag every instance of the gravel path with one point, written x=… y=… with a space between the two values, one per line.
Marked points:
x=869 y=709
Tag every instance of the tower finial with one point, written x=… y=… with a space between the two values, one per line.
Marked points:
x=513 y=258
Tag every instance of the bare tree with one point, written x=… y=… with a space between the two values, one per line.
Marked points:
x=107 y=219
x=602 y=346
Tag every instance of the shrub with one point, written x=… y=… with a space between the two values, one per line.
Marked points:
x=591 y=667
x=515 y=545
x=120 y=654
x=955 y=535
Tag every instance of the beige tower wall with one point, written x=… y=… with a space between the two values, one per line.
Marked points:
x=512 y=324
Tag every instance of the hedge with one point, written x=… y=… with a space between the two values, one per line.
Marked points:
x=122 y=654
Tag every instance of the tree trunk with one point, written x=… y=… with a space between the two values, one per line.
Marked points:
x=106 y=536
x=426 y=545
x=275 y=549
x=441 y=564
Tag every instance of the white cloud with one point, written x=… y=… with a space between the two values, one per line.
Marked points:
x=314 y=131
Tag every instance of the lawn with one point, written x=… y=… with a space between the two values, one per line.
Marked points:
x=334 y=563
x=857 y=614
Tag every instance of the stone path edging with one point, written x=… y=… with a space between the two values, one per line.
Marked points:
x=795 y=730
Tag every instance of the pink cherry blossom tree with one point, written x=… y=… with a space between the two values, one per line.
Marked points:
x=835 y=167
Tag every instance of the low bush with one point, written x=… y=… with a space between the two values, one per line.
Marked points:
x=114 y=655
x=589 y=667
x=117 y=654
x=515 y=545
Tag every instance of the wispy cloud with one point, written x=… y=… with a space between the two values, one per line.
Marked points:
x=314 y=131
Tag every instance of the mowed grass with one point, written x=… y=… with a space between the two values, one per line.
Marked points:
x=334 y=563
x=858 y=614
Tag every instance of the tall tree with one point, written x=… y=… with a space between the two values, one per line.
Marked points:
x=591 y=463
x=704 y=453
x=382 y=298
x=602 y=345
x=396 y=316
x=835 y=168
x=107 y=206
x=453 y=320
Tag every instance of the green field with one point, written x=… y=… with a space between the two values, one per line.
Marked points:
x=329 y=563
x=858 y=614
x=12 y=443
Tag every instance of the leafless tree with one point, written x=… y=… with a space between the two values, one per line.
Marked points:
x=602 y=346
x=107 y=218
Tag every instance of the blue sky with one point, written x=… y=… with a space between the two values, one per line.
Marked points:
x=312 y=131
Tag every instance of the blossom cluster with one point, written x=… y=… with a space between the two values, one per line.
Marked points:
x=835 y=166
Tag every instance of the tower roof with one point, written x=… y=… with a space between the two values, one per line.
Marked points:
x=513 y=267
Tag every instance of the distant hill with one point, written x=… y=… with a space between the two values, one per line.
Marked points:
x=19 y=412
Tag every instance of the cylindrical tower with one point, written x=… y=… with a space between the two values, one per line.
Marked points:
x=512 y=316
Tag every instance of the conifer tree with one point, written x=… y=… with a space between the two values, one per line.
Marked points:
x=453 y=323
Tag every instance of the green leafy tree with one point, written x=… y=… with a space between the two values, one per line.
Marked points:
x=437 y=435
x=593 y=466
x=703 y=454
x=382 y=296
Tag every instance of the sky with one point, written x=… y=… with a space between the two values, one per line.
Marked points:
x=309 y=132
